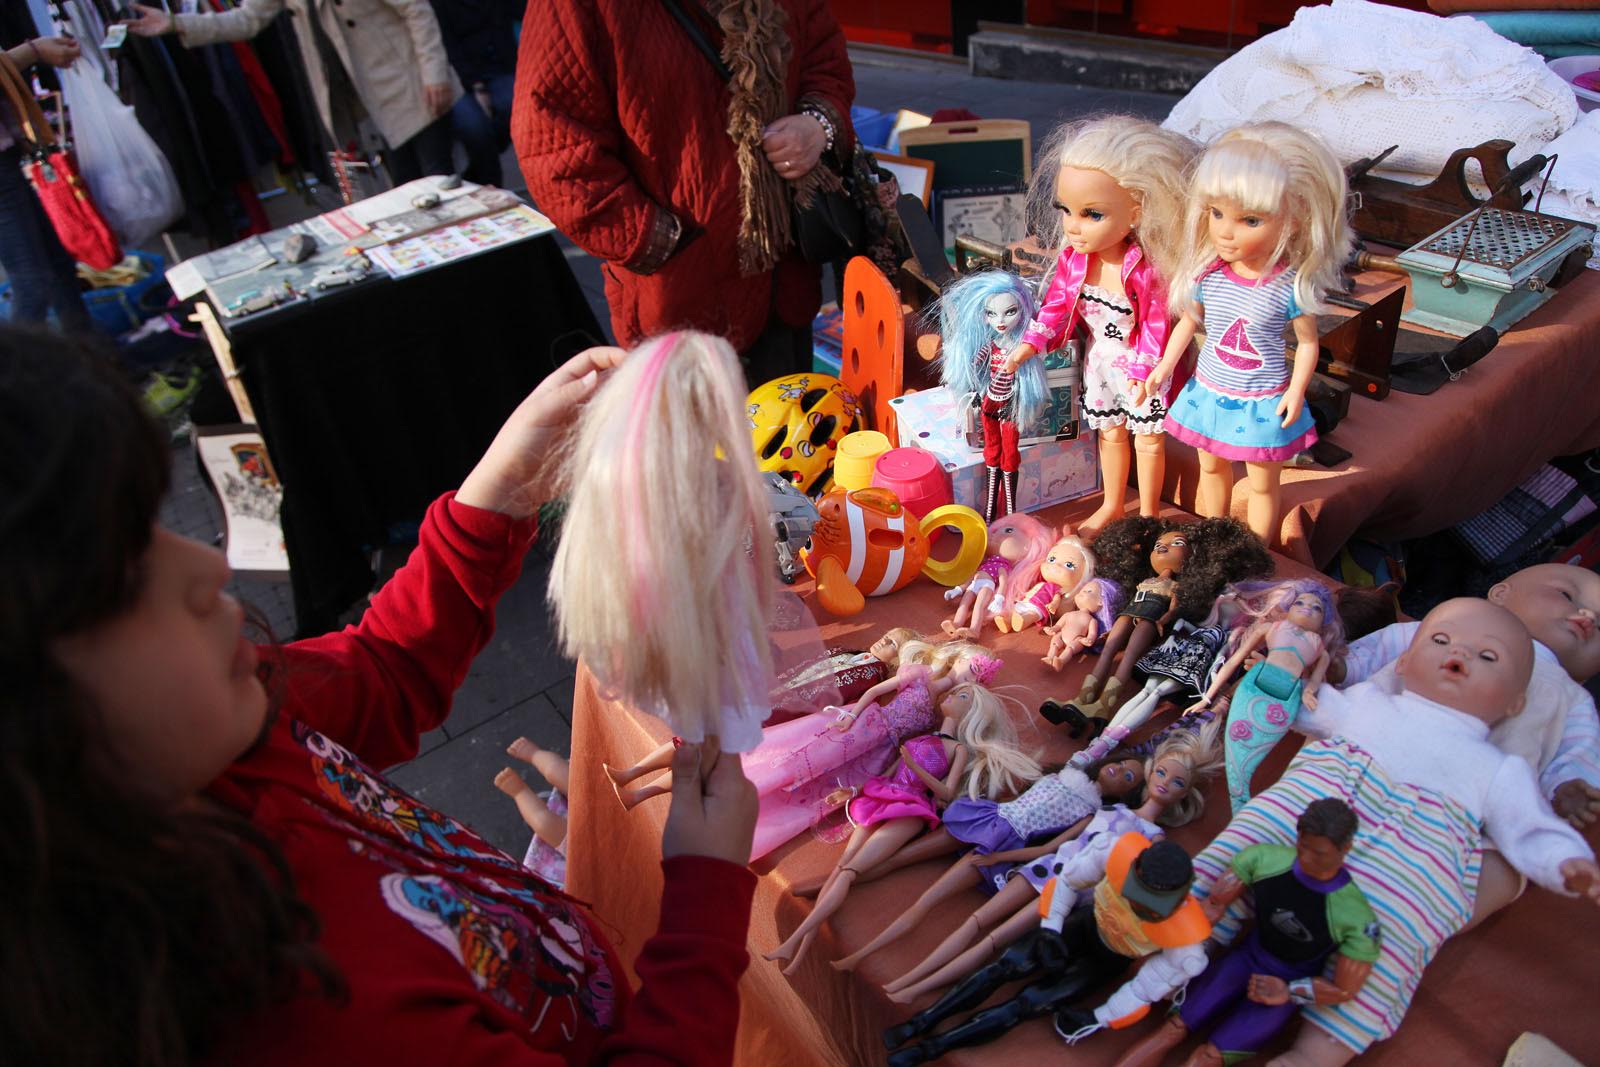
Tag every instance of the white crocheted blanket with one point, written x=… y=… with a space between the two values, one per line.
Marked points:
x=1366 y=76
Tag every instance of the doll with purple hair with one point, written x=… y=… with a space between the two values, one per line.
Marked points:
x=1095 y=609
x=1296 y=623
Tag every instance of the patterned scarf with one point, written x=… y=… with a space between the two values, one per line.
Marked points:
x=756 y=47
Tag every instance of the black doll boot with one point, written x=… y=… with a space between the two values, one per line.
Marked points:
x=991 y=495
x=1008 y=484
x=1093 y=714
x=1074 y=714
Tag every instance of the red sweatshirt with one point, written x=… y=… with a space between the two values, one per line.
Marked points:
x=453 y=952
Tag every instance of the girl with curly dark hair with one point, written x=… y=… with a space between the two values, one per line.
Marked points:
x=198 y=874
x=1168 y=570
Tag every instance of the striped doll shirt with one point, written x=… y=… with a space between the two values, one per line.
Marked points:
x=1244 y=353
x=1001 y=381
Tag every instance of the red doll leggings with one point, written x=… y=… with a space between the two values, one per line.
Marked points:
x=999 y=438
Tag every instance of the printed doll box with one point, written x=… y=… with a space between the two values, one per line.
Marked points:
x=1052 y=471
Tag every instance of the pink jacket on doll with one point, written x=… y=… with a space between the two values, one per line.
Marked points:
x=1058 y=311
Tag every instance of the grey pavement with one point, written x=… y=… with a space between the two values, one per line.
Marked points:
x=520 y=685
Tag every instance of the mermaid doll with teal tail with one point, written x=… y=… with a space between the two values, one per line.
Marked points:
x=1297 y=627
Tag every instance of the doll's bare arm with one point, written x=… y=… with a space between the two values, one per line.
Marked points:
x=1224 y=892
x=1023 y=855
x=1183 y=332
x=1319 y=671
x=1348 y=977
x=943 y=789
x=1247 y=644
x=1305 y=361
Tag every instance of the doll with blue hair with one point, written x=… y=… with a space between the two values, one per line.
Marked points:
x=981 y=319
x=1296 y=623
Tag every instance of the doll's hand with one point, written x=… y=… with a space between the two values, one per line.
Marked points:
x=1199 y=705
x=955 y=592
x=1308 y=699
x=1289 y=407
x=1018 y=356
x=151 y=22
x=517 y=474
x=1267 y=989
x=714 y=806
x=793 y=145
x=1152 y=385
x=1577 y=801
x=1582 y=877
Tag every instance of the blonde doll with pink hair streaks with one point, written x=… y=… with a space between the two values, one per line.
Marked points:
x=1109 y=193
x=1017 y=544
x=1267 y=236
x=976 y=751
x=658 y=584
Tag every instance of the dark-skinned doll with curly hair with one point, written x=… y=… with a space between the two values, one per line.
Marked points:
x=1168 y=570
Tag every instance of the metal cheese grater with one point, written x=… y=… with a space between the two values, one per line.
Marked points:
x=1490 y=268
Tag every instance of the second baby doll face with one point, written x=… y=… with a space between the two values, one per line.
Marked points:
x=1470 y=655
x=1097 y=214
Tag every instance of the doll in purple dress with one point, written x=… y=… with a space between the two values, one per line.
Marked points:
x=975 y=751
x=800 y=765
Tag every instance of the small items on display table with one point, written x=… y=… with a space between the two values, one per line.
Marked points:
x=379 y=348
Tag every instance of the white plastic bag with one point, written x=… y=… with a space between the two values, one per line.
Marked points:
x=129 y=177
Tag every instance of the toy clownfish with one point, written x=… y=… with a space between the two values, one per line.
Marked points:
x=867 y=544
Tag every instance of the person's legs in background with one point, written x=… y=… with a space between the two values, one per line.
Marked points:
x=476 y=132
x=430 y=151
x=780 y=350
x=41 y=273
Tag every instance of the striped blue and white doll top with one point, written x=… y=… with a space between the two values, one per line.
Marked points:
x=1244 y=354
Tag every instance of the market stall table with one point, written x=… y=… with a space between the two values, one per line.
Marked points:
x=1531 y=968
x=375 y=399
x=1422 y=463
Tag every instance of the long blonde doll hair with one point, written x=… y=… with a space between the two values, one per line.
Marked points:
x=1275 y=169
x=663 y=579
x=1202 y=753
x=1148 y=162
x=997 y=765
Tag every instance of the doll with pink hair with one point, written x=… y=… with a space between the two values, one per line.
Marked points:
x=1017 y=543
x=1096 y=605
x=976 y=751
x=1297 y=624
x=1058 y=576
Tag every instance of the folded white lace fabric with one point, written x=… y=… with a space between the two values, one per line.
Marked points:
x=1365 y=76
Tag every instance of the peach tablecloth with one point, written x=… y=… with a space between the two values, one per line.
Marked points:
x=1535 y=967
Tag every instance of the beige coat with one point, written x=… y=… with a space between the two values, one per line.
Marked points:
x=390 y=48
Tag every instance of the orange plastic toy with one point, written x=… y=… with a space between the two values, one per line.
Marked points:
x=867 y=544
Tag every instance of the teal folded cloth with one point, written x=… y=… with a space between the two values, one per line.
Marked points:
x=1559 y=51
x=1536 y=28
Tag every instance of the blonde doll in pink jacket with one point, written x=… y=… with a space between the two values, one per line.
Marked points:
x=1109 y=192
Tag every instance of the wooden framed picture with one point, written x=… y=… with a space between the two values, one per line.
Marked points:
x=914 y=175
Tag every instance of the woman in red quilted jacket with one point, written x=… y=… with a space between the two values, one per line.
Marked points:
x=637 y=148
